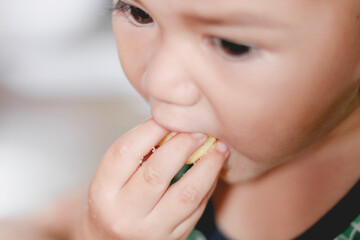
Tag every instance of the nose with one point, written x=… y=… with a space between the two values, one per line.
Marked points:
x=167 y=77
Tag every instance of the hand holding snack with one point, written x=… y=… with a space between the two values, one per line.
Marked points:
x=131 y=199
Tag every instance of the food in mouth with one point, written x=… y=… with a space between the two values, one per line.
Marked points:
x=209 y=143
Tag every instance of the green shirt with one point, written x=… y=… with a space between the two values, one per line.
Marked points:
x=352 y=232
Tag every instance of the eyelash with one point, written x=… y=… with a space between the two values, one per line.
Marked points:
x=135 y=14
x=230 y=48
x=141 y=18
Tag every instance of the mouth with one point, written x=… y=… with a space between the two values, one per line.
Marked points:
x=176 y=119
x=173 y=128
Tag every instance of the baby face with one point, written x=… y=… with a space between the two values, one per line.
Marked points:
x=268 y=77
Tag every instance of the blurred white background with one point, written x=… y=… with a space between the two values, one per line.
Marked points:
x=63 y=99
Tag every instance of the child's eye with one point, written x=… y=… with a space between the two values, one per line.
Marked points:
x=138 y=15
x=230 y=48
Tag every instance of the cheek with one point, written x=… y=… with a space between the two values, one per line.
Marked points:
x=132 y=51
x=261 y=130
x=278 y=113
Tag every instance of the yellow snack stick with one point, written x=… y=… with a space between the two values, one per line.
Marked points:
x=167 y=137
x=209 y=143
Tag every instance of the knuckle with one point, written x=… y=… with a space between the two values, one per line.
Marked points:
x=152 y=176
x=120 y=149
x=189 y=195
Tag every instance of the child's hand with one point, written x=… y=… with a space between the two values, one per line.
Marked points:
x=129 y=201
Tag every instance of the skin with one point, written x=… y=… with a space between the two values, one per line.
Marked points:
x=242 y=100
x=285 y=108
x=287 y=113
x=128 y=201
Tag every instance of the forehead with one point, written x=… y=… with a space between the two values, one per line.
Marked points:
x=231 y=4
x=279 y=13
x=234 y=9
x=226 y=5
x=236 y=5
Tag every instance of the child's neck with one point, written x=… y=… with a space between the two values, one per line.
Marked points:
x=289 y=199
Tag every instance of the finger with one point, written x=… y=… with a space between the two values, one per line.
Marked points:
x=124 y=156
x=149 y=183
x=183 y=230
x=185 y=196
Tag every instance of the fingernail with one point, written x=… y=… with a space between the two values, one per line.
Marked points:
x=198 y=135
x=221 y=147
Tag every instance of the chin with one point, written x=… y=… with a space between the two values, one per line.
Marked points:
x=239 y=168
